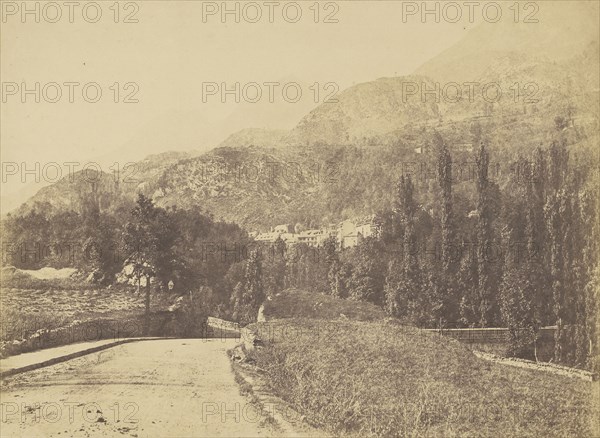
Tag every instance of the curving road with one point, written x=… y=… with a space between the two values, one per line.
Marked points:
x=161 y=388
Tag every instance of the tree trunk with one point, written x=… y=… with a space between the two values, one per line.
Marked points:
x=147 y=313
x=558 y=339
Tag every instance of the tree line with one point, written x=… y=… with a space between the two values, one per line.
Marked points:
x=521 y=252
x=544 y=221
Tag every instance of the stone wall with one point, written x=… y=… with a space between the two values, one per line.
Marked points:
x=495 y=340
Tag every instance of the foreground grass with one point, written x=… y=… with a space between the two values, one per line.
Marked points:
x=381 y=379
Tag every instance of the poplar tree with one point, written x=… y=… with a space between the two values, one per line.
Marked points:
x=484 y=238
x=447 y=283
x=537 y=243
x=249 y=294
x=590 y=213
x=557 y=225
x=403 y=290
x=254 y=294
x=518 y=287
x=468 y=282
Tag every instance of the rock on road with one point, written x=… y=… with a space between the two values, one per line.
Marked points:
x=160 y=388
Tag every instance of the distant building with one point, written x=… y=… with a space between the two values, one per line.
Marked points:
x=328 y=232
x=464 y=147
x=310 y=237
x=348 y=233
x=366 y=227
x=346 y=227
x=351 y=232
x=283 y=229
x=350 y=240
x=267 y=237
x=289 y=238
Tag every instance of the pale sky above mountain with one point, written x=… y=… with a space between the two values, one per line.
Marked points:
x=170 y=52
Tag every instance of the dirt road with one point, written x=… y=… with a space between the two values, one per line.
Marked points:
x=162 y=388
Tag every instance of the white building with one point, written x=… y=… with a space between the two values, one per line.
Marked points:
x=283 y=229
x=267 y=237
x=289 y=238
x=310 y=237
x=351 y=232
x=348 y=233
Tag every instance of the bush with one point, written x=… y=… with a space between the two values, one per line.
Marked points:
x=294 y=303
x=190 y=320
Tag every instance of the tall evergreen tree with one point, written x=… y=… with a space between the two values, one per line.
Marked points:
x=590 y=215
x=518 y=288
x=447 y=284
x=484 y=238
x=468 y=281
x=274 y=267
x=367 y=280
x=403 y=292
x=578 y=277
x=148 y=240
x=555 y=209
x=253 y=293
x=537 y=244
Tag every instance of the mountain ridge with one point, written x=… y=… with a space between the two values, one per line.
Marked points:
x=350 y=151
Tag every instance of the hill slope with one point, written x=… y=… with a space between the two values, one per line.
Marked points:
x=561 y=30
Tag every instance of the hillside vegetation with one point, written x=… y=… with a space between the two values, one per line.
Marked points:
x=301 y=304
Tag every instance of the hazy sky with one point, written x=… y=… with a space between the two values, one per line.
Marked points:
x=170 y=52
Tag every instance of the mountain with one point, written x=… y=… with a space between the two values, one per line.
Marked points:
x=509 y=86
x=249 y=185
x=266 y=138
x=342 y=158
x=111 y=190
x=554 y=62
x=561 y=31
x=365 y=111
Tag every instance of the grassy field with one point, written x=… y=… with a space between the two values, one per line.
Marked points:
x=294 y=303
x=379 y=378
x=73 y=312
x=25 y=310
x=65 y=304
x=29 y=302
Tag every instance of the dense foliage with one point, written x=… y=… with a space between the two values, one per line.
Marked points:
x=453 y=247
x=521 y=255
